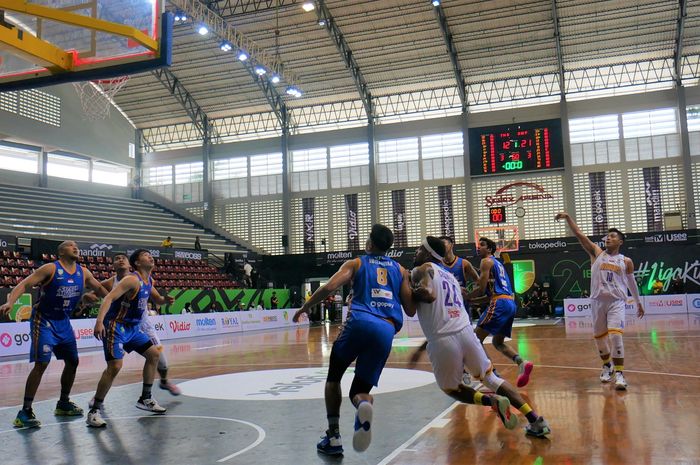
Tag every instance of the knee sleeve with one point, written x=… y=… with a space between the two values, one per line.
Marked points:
x=162 y=362
x=618 y=350
x=359 y=387
x=491 y=381
x=603 y=344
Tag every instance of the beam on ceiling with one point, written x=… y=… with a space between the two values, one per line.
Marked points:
x=557 y=39
x=326 y=19
x=208 y=14
x=454 y=58
x=237 y=7
x=678 y=50
x=194 y=111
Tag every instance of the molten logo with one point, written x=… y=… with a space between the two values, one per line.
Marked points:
x=180 y=326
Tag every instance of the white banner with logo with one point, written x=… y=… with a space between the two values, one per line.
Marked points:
x=693 y=303
x=14 y=337
x=653 y=305
x=665 y=304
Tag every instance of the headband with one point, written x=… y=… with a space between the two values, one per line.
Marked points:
x=430 y=249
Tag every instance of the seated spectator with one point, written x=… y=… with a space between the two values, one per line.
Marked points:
x=168 y=242
x=241 y=306
x=187 y=308
x=274 y=301
x=545 y=303
x=584 y=294
x=197 y=245
x=251 y=305
x=259 y=307
x=657 y=287
x=677 y=286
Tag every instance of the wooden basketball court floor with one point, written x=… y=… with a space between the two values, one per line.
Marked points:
x=256 y=398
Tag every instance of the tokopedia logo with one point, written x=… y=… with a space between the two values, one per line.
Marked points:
x=547 y=245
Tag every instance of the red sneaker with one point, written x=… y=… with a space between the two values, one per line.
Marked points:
x=524 y=374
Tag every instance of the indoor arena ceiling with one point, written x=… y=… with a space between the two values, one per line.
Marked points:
x=506 y=52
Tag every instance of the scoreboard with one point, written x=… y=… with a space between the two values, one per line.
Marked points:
x=516 y=148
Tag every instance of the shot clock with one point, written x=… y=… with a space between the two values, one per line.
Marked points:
x=516 y=148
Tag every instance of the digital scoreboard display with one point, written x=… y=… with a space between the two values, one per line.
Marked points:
x=497 y=215
x=516 y=148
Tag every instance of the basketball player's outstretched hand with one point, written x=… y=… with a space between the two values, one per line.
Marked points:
x=5 y=309
x=169 y=299
x=561 y=216
x=640 y=311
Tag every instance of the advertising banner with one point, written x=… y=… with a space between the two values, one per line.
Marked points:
x=398 y=205
x=665 y=304
x=446 y=213
x=309 y=233
x=14 y=338
x=599 y=208
x=693 y=303
x=652 y=196
x=7 y=242
x=352 y=226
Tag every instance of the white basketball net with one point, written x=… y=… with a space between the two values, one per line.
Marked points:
x=96 y=97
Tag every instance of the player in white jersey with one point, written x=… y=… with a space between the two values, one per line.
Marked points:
x=612 y=276
x=120 y=263
x=452 y=344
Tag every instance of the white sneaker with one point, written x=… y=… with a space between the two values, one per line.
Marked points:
x=606 y=374
x=363 y=427
x=620 y=383
x=94 y=419
x=150 y=405
x=466 y=378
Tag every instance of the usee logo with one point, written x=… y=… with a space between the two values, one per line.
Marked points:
x=293 y=384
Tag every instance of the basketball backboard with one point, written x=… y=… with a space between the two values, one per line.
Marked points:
x=507 y=238
x=98 y=38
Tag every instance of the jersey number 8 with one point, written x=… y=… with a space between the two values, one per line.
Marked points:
x=381 y=276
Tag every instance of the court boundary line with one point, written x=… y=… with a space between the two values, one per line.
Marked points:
x=404 y=447
x=261 y=432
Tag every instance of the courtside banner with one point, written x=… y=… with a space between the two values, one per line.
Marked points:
x=652 y=198
x=15 y=338
x=599 y=210
x=446 y=213
x=352 y=222
x=693 y=303
x=665 y=304
x=309 y=233
x=398 y=205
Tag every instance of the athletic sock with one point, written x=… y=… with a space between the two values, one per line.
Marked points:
x=334 y=424
x=481 y=399
x=619 y=368
x=97 y=404
x=146 y=391
x=27 y=405
x=606 y=361
x=517 y=359
x=526 y=410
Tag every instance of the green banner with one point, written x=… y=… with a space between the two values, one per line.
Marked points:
x=221 y=300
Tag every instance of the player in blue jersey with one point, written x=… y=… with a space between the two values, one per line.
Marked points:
x=497 y=320
x=62 y=284
x=118 y=327
x=120 y=264
x=380 y=288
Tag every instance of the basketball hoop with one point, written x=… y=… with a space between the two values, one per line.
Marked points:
x=96 y=97
x=506 y=238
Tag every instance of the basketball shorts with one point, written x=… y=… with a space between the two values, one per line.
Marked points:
x=607 y=315
x=498 y=318
x=451 y=353
x=367 y=340
x=123 y=338
x=149 y=330
x=51 y=337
